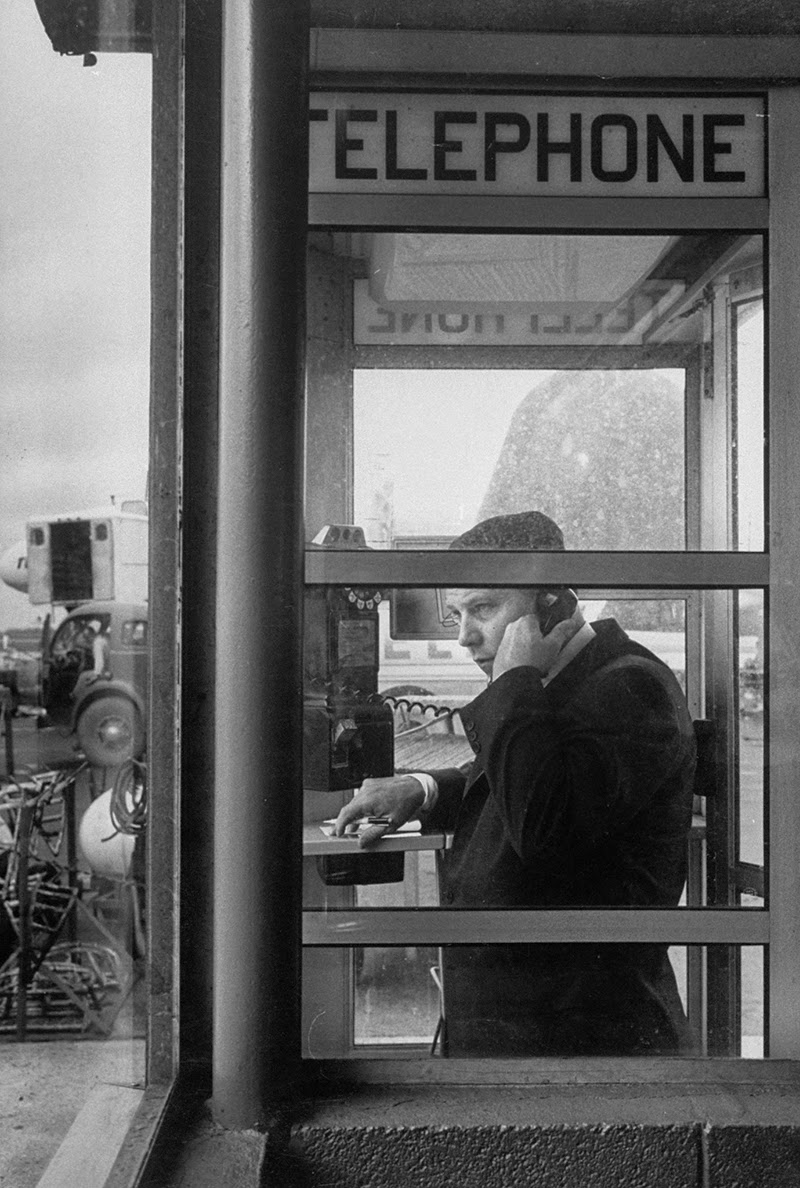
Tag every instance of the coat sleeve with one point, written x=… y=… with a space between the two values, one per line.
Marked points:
x=450 y=782
x=564 y=782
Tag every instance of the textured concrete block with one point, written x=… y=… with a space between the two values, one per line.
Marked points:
x=754 y=1156
x=498 y=1157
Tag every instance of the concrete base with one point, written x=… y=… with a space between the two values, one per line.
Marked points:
x=589 y=1136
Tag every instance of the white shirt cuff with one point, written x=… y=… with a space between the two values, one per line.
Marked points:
x=429 y=787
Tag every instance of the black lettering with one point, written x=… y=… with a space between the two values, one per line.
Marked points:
x=492 y=146
x=393 y=170
x=317 y=115
x=388 y=325
x=407 y=320
x=461 y=326
x=534 y=323
x=545 y=147
x=437 y=653
x=713 y=148
x=500 y=323
x=428 y=323
x=479 y=323
x=346 y=144
x=599 y=126
x=442 y=146
x=682 y=160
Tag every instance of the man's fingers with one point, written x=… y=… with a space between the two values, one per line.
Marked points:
x=350 y=813
x=374 y=833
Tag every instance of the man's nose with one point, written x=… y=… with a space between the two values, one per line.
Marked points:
x=467 y=635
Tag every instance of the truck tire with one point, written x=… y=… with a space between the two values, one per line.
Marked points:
x=110 y=731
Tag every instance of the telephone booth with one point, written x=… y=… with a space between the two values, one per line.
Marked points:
x=551 y=297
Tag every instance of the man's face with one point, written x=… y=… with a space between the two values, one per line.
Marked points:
x=482 y=617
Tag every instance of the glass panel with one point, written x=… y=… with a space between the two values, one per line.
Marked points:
x=751 y=727
x=490 y=374
x=748 y=368
x=74 y=324
x=397 y=990
x=419 y=999
x=600 y=452
x=393 y=686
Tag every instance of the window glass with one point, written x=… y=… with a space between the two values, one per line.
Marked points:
x=400 y=1002
x=595 y=394
x=601 y=452
x=74 y=361
x=748 y=360
x=457 y=376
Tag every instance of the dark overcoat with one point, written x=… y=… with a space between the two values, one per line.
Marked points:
x=580 y=795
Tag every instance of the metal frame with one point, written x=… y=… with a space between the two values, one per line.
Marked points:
x=166 y=378
x=616 y=571
x=784 y=659
x=390 y=211
x=435 y=926
x=451 y=58
x=404 y=55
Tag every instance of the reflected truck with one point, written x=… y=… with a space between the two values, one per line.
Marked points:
x=94 y=679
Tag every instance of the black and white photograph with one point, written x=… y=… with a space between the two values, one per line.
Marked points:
x=399 y=577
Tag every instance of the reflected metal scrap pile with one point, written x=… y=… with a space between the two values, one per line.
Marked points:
x=52 y=976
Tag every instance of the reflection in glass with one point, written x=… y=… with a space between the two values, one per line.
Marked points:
x=601 y=452
x=400 y=999
x=748 y=368
x=751 y=726
x=75 y=329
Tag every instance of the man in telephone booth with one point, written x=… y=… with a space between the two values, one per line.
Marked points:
x=579 y=794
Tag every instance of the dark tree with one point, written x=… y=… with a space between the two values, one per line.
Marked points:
x=602 y=453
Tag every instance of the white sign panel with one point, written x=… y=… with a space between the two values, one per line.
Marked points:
x=658 y=146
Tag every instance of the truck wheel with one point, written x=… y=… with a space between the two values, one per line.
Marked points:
x=110 y=731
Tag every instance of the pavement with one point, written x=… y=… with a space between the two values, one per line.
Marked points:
x=43 y=1087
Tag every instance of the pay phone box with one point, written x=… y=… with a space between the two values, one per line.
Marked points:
x=348 y=729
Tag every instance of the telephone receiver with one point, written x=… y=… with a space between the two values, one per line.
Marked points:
x=553 y=606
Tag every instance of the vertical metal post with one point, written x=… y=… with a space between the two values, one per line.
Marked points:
x=166 y=387
x=259 y=560
x=7 y=718
x=203 y=64
x=784 y=657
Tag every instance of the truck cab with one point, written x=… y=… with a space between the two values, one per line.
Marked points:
x=94 y=679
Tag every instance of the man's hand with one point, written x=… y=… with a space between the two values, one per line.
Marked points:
x=398 y=798
x=524 y=645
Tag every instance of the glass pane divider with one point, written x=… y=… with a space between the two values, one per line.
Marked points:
x=433 y=926
x=374 y=1068
x=493 y=211
x=387 y=567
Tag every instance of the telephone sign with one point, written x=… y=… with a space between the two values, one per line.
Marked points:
x=686 y=146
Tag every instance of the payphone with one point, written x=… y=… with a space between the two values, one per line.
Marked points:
x=348 y=729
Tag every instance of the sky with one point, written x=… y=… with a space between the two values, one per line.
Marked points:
x=435 y=445
x=74 y=280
